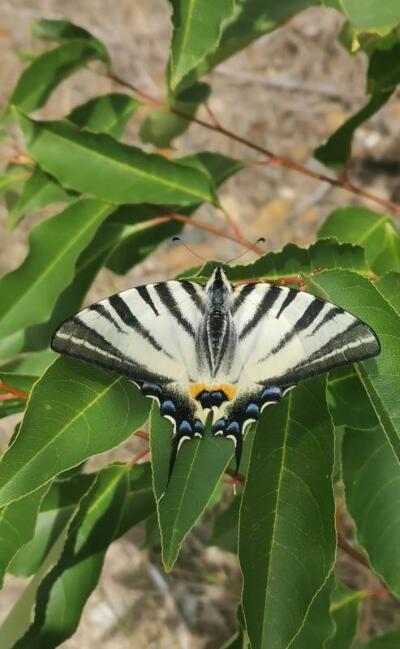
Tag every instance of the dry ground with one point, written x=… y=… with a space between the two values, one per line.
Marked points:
x=289 y=91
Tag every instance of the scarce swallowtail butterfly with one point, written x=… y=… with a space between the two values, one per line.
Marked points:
x=229 y=350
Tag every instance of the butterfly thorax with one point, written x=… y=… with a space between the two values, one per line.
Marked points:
x=216 y=338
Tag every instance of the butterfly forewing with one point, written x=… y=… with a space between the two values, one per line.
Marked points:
x=145 y=333
x=287 y=335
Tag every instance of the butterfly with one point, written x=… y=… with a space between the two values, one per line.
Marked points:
x=215 y=348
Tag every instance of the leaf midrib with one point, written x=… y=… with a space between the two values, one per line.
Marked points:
x=56 y=259
x=131 y=169
x=91 y=403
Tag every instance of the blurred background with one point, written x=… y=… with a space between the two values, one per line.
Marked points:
x=288 y=91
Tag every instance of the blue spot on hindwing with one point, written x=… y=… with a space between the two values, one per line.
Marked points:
x=167 y=408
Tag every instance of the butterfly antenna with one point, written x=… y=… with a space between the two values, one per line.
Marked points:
x=189 y=249
x=251 y=246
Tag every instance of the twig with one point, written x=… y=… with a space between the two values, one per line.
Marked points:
x=140 y=455
x=341 y=183
x=19 y=394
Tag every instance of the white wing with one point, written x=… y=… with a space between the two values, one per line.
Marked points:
x=286 y=335
x=146 y=333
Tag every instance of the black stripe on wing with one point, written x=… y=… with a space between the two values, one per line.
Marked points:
x=263 y=307
x=101 y=310
x=76 y=339
x=292 y=294
x=241 y=295
x=309 y=316
x=192 y=290
x=123 y=311
x=168 y=300
x=146 y=297
x=330 y=315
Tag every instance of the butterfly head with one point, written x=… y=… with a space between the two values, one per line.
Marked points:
x=218 y=282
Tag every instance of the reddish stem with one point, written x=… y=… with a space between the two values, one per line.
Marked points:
x=19 y=394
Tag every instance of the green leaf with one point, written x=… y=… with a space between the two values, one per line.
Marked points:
x=199 y=467
x=197 y=28
x=335 y=152
x=348 y=401
x=371 y=474
x=163 y=126
x=372 y=15
x=64 y=30
x=380 y=375
x=14 y=175
x=47 y=71
x=141 y=239
x=28 y=294
x=39 y=190
x=69 y=301
x=17 y=526
x=318 y=625
x=56 y=510
x=62 y=594
x=389 y=287
x=139 y=502
x=99 y=165
x=106 y=114
x=225 y=531
x=292 y=261
x=251 y=20
x=389 y=640
x=384 y=68
x=19 y=381
x=286 y=528
x=29 y=364
x=97 y=411
x=344 y=610
x=376 y=233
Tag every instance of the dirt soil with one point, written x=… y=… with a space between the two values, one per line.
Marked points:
x=288 y=91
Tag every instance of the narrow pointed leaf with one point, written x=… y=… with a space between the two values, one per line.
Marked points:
x=139 y=502
x=380 y=376
x=371 y=474
x=75 y=411
x=17 y=526
x=199 y=467
x=197 y=28
x=96 y=164
x=39 y=190
x=63 y=30
x=106 y=114
x=335 y=152
x=28 y=294
x=376 y=233
x=47 y=71
x=62 y=594
x=226 y=527
x=56 y=510
x=286 y=528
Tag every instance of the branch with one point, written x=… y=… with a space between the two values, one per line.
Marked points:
x=19 y=394
x=341 y=183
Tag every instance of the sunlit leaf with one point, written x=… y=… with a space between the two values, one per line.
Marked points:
x=372 y=15
x=286 y=533
x=64 y=30
x=105 y=114
x=197 y=29
x=75 y=411
x=99 y=165
x=38 y=191
x=199 y=467
x=28 y=294
x=371 y=474
x=17 y=526
x=376 y=233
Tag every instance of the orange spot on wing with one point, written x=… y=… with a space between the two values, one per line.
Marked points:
x=229 y=390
